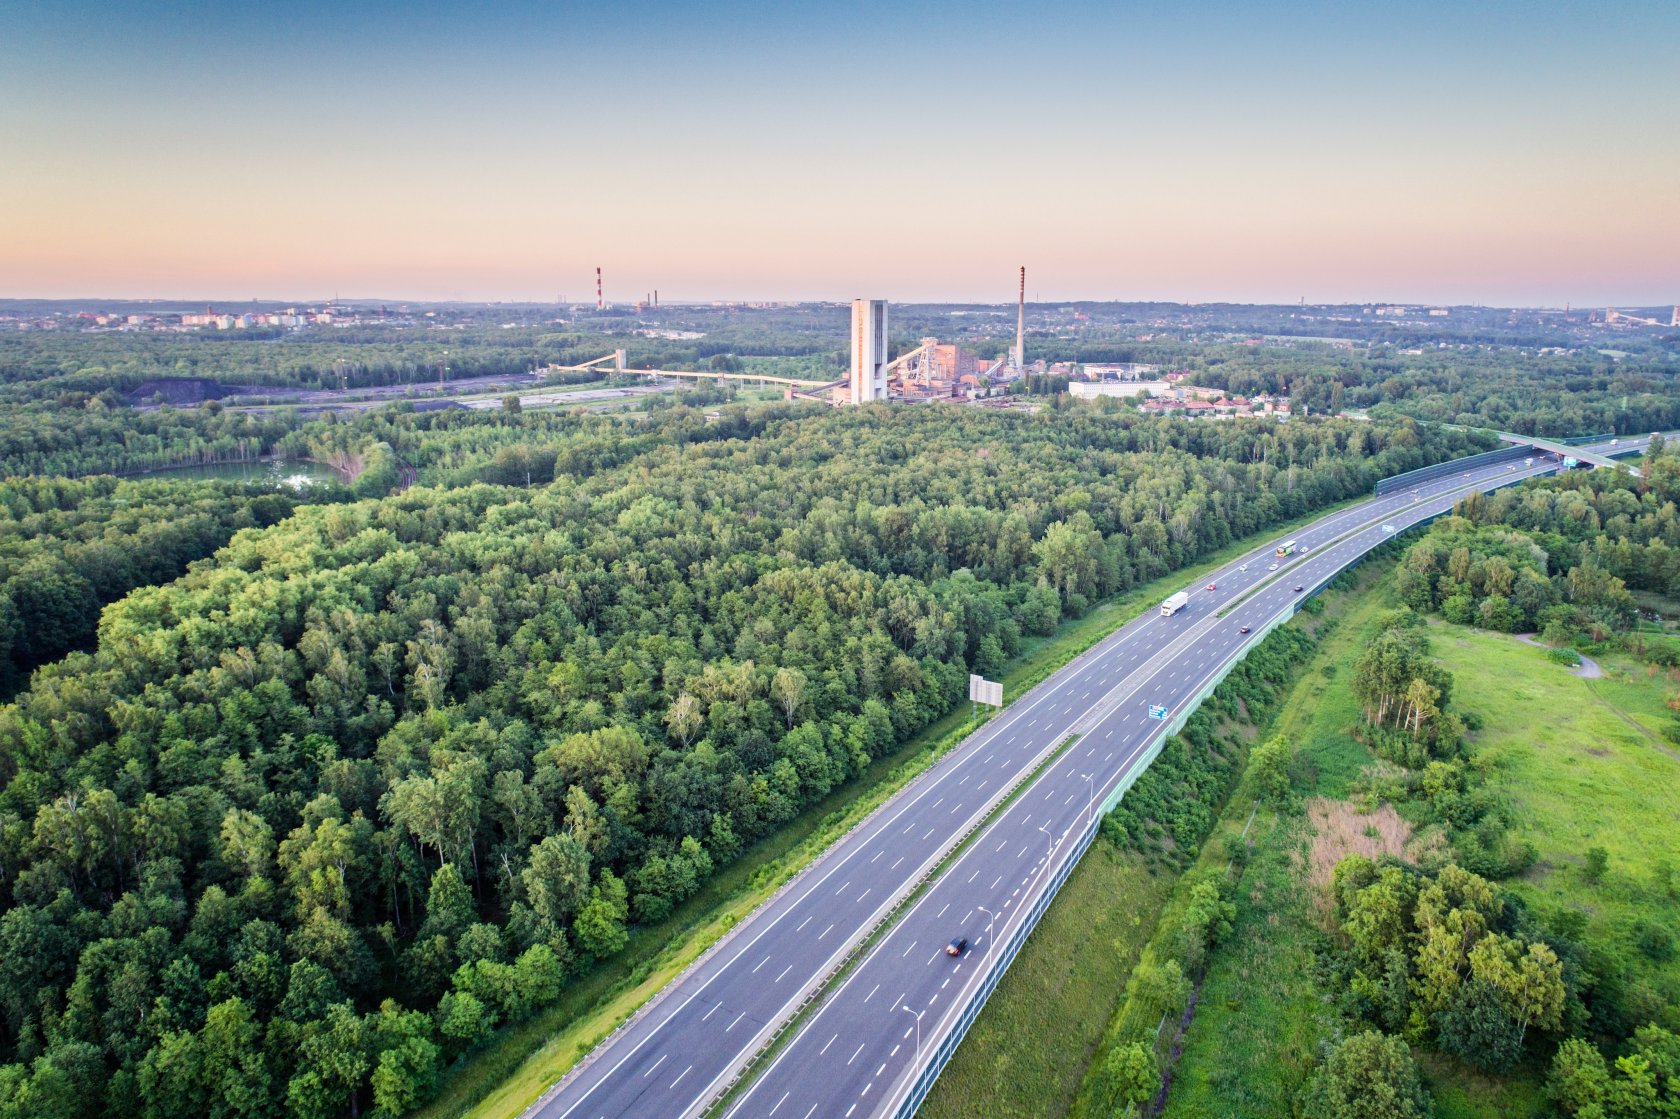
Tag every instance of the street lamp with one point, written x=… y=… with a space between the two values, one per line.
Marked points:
x=917 y=1064
x=990 y=917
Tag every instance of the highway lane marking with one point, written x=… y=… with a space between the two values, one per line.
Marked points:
x=785 y=970
x=761 y=963
x=825 y=932
x=781 y=1101
x=680 y=1075
x=975 y=875
x=955 y=808
x=735 y=1023
x=656 y=1064
x=894 y=1052
x=859 y=1050
x=999 y=879
x=712 y=1011
x=865 y=894
x=842 y=888
x=878 y=854
x=942 y=911
x=930 y=832
x=810 y=1113
x=895 y=865
x=1102 y=651
x=906 y=952
x=825 y=1048
x=871 y=993
x=878 y=1072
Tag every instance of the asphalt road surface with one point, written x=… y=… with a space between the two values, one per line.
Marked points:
x=856 y=1052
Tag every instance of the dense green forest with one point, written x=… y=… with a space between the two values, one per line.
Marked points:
x=309 y=794
x=69 y=547
x=314 y=819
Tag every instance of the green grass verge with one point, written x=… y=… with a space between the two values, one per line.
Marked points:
x=521 y=1062
x=1259 y=1017
x=1584 y=762
x=1062 y=1001
x=1027 y=1051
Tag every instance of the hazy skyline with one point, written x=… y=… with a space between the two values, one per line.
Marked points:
x=1207 y=152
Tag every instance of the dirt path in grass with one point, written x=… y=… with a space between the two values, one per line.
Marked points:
x=1587 y=670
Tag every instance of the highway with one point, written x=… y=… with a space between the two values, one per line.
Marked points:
x=874 y=1039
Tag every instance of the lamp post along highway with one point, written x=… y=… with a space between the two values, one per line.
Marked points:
x=917 y=1063
x=990 y=917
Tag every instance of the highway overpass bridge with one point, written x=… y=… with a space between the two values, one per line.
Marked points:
x=836 y=997
x=1587 y=454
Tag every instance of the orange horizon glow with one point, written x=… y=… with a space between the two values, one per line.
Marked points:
x=733 y=172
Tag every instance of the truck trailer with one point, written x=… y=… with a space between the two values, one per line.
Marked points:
x=1175 y=603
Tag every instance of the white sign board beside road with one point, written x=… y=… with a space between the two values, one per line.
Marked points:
x=982 y=690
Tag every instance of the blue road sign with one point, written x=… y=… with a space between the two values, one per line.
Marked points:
x=1156 y=711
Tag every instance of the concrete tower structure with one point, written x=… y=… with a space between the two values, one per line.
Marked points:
x=869 y=350
x=1021 y=324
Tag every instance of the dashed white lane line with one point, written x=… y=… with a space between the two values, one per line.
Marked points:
x=906 y=952
x=825 y=932
x=735 y=1023
x=802 y=925
x=825 y=1047
x=859 y=1050
x=785 y=970
x=761 y=963
x=680 y=1075
x=656 y=1064
x=781 y=1101
x=712 y=1011
x=871 y=993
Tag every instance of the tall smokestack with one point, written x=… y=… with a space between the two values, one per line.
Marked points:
x=1021 y=324
x=656 y=297
x=599 y=305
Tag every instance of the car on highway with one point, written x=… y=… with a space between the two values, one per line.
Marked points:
x=1388 y=530
x=1272 y=568
x=1213 y=586
x=1242 y=629
x=1297 y=588
x=1244 y=567
x=957 y=947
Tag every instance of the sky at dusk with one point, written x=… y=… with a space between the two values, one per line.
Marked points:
x=1422 y=150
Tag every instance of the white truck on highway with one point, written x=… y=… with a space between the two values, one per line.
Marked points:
x=1175 y=603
